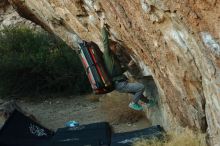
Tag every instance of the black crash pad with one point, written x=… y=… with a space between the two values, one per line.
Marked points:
x=127 y=138
x=96 y=134
x=20 y=130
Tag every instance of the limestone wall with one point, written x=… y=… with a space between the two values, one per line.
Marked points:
x=177 y=39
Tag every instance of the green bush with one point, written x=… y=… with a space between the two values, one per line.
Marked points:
x=33 y=63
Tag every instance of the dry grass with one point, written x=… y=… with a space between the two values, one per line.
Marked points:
x=116 y=108
x=186 y=138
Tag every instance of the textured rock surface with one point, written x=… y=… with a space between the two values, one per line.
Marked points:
x=177 y=39
x=9 y=17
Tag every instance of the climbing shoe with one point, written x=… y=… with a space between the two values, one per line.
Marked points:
x=151 y=103
x=148 y=102
x=144 y=99
x=135 y=106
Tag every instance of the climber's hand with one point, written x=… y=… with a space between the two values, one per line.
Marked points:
x=131 y=63
x=102 y=21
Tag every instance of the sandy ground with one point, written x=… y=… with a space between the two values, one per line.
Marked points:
x=55 y=112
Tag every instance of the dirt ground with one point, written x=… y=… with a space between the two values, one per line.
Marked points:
x=53 y=112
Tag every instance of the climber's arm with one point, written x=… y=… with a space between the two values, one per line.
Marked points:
x=105 y=40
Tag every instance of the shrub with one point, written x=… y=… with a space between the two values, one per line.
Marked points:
x=35 y=63
x=185 y=138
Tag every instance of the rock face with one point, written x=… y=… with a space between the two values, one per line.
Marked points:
x=9 y=17
x=177 y=39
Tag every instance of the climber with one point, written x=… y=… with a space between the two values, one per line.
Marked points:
x=115 y=71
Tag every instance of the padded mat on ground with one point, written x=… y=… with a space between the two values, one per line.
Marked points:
x=127 y=138
x=96 y=134
x=20 y=130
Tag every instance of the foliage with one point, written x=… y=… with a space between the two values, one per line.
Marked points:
x=183 y=138
x=33 y=63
